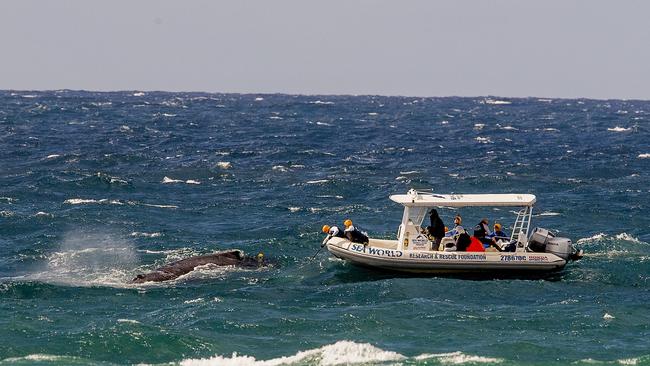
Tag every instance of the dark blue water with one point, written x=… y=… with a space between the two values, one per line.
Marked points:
x=98 y=187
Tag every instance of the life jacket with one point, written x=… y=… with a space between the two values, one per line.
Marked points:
x=475 y=245
x=356 y=236
x=335 y=231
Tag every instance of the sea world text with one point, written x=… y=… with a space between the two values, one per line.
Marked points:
x=376 y=251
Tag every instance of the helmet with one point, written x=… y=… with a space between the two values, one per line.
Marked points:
x=326 y=229
x=347 y=222
x=497 y=226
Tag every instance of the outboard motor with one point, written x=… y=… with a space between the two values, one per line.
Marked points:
x=544 y=241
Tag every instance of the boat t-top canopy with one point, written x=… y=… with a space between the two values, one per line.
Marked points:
x=424 y=199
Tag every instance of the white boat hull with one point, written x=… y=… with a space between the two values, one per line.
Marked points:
x=382 y=256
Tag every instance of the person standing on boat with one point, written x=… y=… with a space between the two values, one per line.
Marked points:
x=437 y=228
x=353 y=234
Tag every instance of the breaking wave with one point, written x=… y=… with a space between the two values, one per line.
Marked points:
x=342 y=353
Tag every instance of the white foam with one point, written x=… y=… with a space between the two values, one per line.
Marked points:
x=628 y=237
x=598 y=236
x=479 y=126
x=409 y=172
x=6 y=214
x=373 y=113
x=509 y=128
x=457 y=358
x=79 y=201
x=496 y=102
x=330 y=196
x=275 y=117
x=138 y=94
x=35 y=357
x=549 y=213
x=483 y=140
x=339 y=353
x=294 y=209
x=280 y=168
x=551 y=129
x=8 y=199
x=644 y=156
x=53 y=156
x=224 y=165
x=323 y=124
x=128 y=321
x=43 y=214
x=321 y=102
x=167 y=180
x=619 y=129
x=259 y=99
x=158 y=206
x=319 y=181
x=145 y=235
x=628 y=361
x=608 y=316
x=194 y=301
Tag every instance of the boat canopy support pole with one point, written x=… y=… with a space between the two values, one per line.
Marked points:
x=402 y=228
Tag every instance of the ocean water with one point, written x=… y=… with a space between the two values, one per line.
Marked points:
x=98 y=187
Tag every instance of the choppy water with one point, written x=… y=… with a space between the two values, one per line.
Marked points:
x=98 y=187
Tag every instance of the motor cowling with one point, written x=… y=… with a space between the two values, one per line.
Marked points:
x=544 y=241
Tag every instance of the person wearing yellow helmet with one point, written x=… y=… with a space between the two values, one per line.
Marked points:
x=498 y=234
x=353 y=234
x=333 y=231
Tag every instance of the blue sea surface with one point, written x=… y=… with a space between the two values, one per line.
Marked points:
x=96 y=188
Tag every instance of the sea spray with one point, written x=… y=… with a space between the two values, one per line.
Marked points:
x=90 y=257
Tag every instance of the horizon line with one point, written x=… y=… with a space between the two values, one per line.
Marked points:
x=321 y=94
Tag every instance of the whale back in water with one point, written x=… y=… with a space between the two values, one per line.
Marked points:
x=183 y=266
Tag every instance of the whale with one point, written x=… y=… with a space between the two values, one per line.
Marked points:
x=176 y=269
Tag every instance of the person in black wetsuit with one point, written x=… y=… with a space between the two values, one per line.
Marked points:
x=353 y=234
x=436 y=229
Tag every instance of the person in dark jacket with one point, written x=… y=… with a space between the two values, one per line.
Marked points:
x=353 y=234
x=463 y=242
x=437 y=228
